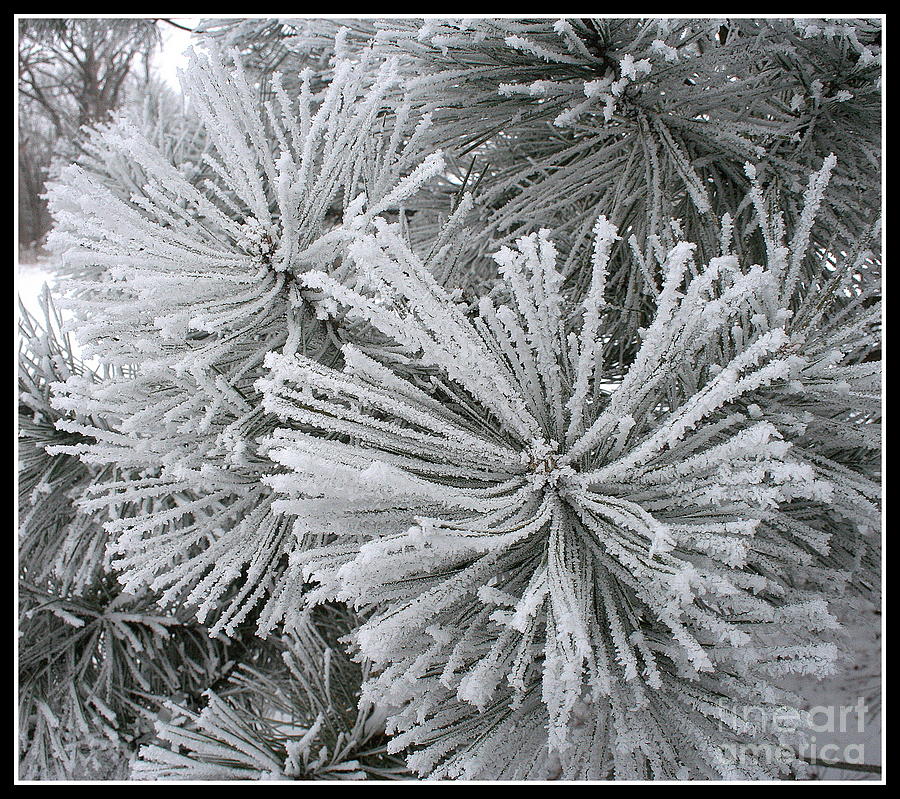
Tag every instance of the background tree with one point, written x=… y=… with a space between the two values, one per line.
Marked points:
x=72 y=73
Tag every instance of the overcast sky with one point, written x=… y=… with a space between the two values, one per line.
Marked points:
x=174 y=42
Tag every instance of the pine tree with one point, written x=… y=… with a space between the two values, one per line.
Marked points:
x=481 y=399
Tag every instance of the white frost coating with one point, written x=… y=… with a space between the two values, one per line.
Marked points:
x=540 y=533
x=199 y=284
x=375 y=351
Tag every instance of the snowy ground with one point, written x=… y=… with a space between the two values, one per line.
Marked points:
x=30 y=280
x=847 y=707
